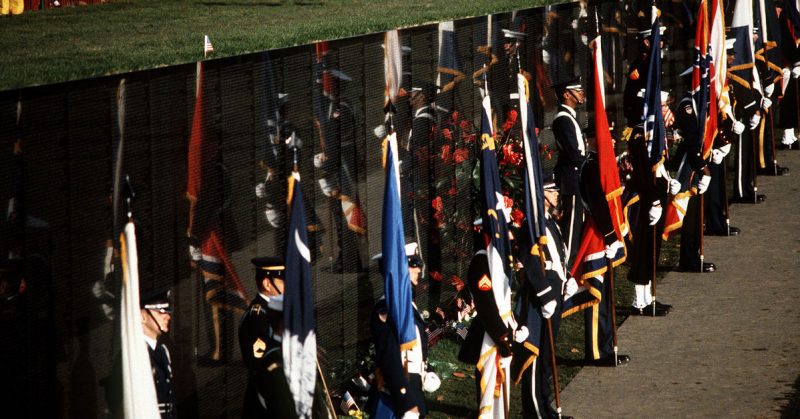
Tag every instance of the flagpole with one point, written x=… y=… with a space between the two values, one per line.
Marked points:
x=653 y=273
x=700 y=230
x=613 y=307
x=555 y=369
x=331 y=409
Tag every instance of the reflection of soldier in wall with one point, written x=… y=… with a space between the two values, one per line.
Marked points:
x=338 y=161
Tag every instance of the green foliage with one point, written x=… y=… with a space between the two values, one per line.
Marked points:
x=125 y=35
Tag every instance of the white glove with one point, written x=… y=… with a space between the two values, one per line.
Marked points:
x=765 y=102
x=571 y=288
x=549 y=309
x=674 y=186
x=431 y=382
x=611 y=249
x=195 y=253
x=769 y=89
x=522 y=333
x=716 y=156
x=273 y=217
x=786 y=72
x=319 y=158
x=796 y=72
x=411 y=415
x=654 y=214
x=703 y=184
x=725 y=149
x=261 y=190
x=738 y=127
x=380 y=131
x=754 y=121
x=546 y=57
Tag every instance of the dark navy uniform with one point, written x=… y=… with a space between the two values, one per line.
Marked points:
x=632 y=103
x=571 y=156
x=161 y=366
x=531 y=362
x=267 y=393
x=398 y=387
x=745 y=102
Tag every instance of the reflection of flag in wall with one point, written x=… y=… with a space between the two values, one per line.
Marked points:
x=138 y=389
x=653 y=119
x=338 y=181
x=221 y=284
x=396 y=279
x=495 y=233
x=590 y=261
x=299 y=335
x=450 y=71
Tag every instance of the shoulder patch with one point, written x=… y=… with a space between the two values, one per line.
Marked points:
x=634 y=74
x=485 y=284
x=259 y=346
x=256 y=309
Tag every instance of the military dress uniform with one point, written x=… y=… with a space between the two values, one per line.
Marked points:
x=267 y=393
x=745 y=102
x=633 y=102
x=572 y=151
x=531 y=362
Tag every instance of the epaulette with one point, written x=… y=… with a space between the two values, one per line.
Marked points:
x=257 y=310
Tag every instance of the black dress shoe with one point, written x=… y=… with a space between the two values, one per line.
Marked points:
x=648 y=311
x=734 y=231
x=608 y=361
x=709 y=267
x=667 y=307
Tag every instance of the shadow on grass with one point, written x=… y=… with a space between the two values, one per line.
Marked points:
x=792 y=409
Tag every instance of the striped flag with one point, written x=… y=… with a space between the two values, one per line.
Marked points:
x=590 y=261
x=207 y=47
x=654 y=132
x=299 y=335
x=495 y=377
x=138 y=389
x=396 y=279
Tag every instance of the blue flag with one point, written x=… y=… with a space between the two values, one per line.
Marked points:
x=299 y=336
x=396 y=280
x=534 y=192
x=653 y=119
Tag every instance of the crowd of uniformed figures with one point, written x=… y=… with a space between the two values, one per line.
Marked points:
x=733 y=107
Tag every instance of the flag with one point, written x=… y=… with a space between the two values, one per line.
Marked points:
x=704 y=102
x=221 y=285
x=138 y=389
x=495 y=378
x=207 y=47
x=534 y=232
x=654 y=132
x=348 y=405
x=299 y=335
x=590 y=261
x=396 y=279
x=392 y=66
x=450 y=71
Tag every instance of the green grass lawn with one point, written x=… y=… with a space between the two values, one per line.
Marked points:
x=124 y=35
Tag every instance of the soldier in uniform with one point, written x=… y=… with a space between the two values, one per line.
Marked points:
x=401 y=374
x=572 y=150
x=260 y=330
x=633 y=95
x=543 y=299
x=156 y=311
x=789 y=115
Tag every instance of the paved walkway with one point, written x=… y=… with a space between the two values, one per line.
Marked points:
x=731 y=345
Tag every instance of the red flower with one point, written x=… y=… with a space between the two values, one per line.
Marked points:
x=455 y=116
x=436 y=276
x=510 y=155
x=517 y=216
x=509 y=203
x=464 y=124
x=446 y=155
x=512 y=119
x=460 y=155
x=456 y=282
x=468 y=138
x=437 y=204
x=447 y=134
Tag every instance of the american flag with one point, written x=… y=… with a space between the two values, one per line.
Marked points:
x=207 y=47
x=434 y=334
x=461 y=331
x=348 y=405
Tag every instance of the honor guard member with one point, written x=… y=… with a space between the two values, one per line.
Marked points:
x=645 y=222
x=400 y=375
x=789 y=115
x=267 y=393
x=572 y=150
x=421 y=97
x=598 y=328
x=542 y=299
x=689 y=158
x=156 y=312
x=746 y=104
x=633 y=94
